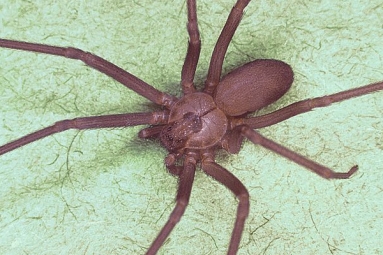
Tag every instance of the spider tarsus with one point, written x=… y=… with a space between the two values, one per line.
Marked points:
x=353 y=170
x=345 y=175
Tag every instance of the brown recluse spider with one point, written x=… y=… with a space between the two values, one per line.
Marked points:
x=192 y=127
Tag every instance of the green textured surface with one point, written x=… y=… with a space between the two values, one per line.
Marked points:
x=107 y=192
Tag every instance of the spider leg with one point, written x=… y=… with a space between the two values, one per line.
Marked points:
x=232 y=141
x=98 y=63
x=231 y=182
x=106 y=121
x=185 y=184
x=307 y=105
x=215 y=68
x=194 y=48
x=321 y=170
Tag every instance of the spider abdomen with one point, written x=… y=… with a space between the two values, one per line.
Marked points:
x=253 y=86
x=195 y=122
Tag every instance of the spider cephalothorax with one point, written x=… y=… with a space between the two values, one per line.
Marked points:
x=195 y=122
x=198 y=123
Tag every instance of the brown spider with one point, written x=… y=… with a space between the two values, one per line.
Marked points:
x=194 y=126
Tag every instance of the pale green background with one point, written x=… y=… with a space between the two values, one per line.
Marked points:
x=107 y=192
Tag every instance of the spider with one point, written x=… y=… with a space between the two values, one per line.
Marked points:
x=197 y=124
